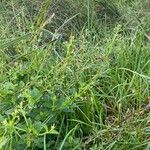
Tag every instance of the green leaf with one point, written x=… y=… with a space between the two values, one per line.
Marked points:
x=8 y=86
x=35 y=95
x=3 y=141
x=1 y=118
x=53 y=132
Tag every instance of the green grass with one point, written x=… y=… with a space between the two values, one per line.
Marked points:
x=88 y=91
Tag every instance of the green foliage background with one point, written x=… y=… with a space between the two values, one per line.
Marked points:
x=74 y=74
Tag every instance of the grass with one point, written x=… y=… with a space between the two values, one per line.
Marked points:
x=90 y=90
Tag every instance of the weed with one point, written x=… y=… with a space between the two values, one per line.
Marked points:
x=74 y=75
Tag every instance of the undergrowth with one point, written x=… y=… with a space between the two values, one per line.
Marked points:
x=74 y=75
